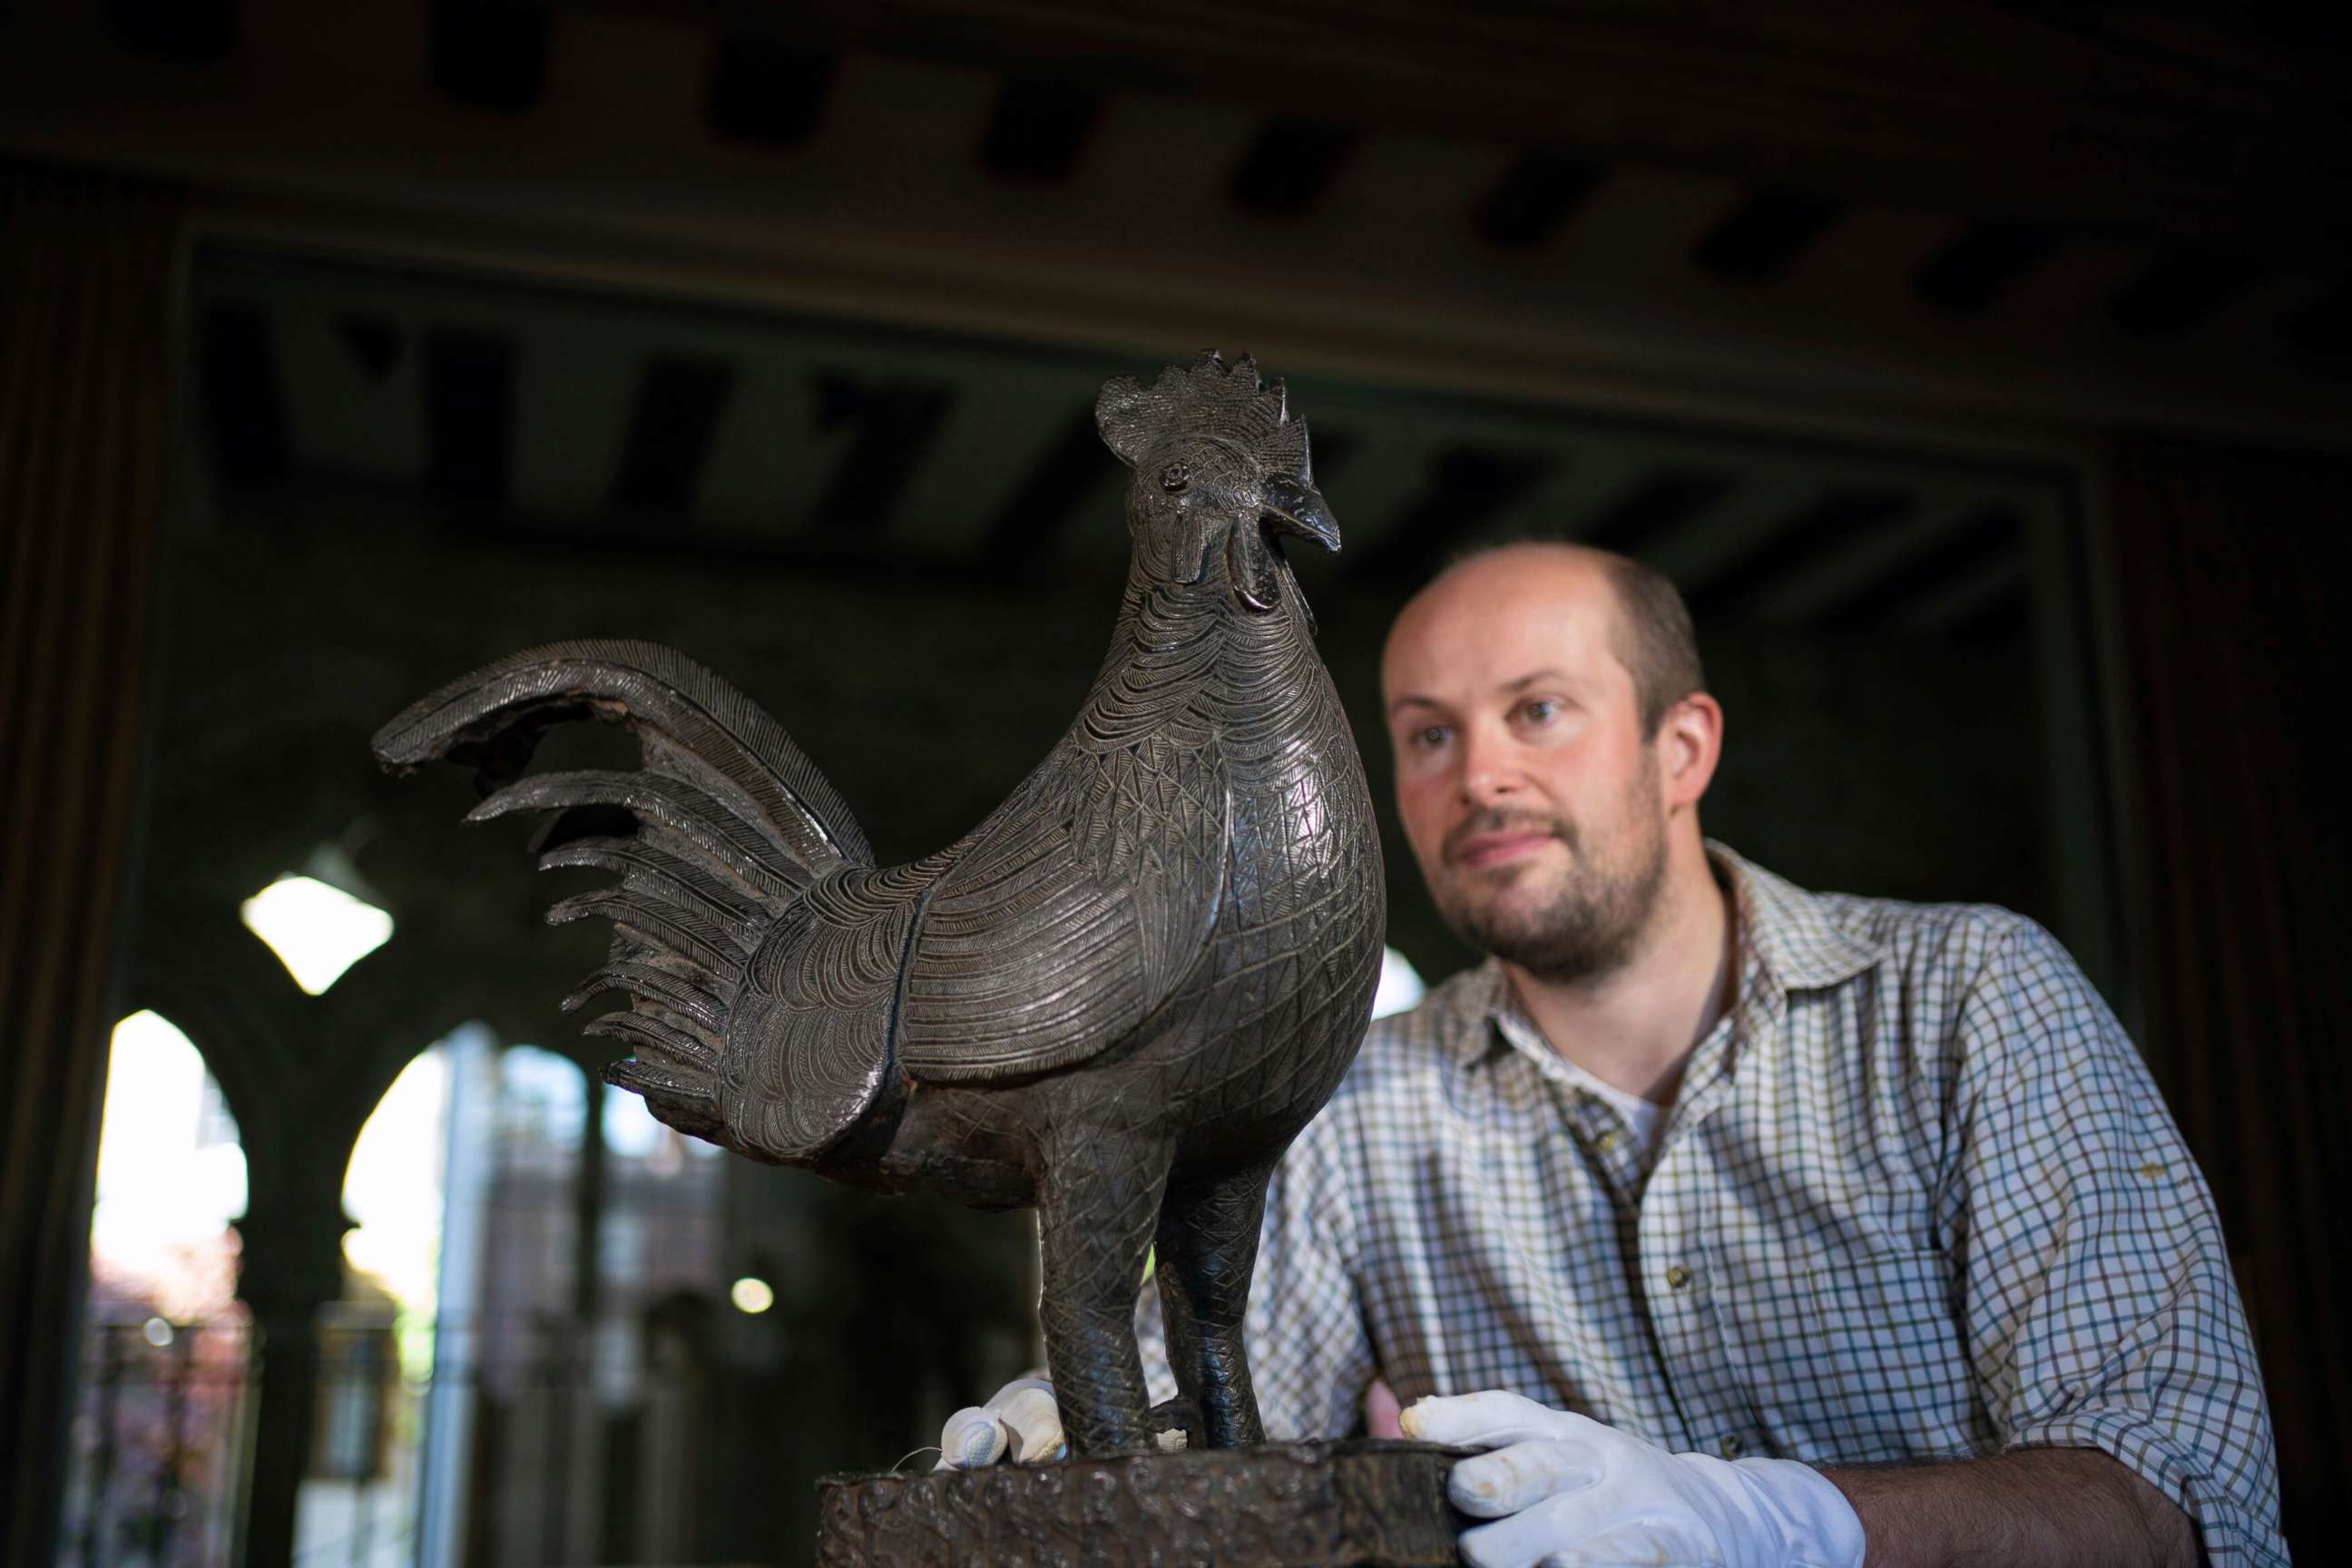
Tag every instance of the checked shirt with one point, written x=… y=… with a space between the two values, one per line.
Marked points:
x=1917 y=1198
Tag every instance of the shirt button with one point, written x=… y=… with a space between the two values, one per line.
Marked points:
x=1733 y=1446
x=1605 y=1140
x=1677 y=1277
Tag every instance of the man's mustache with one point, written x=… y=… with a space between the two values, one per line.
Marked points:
x=1499 y=821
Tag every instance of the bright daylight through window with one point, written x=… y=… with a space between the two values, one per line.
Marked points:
x=316 y=931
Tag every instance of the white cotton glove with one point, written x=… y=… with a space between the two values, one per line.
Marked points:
x=1022 y=1421
x=1565 y=1491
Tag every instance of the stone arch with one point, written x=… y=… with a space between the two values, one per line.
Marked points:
x=301 y=1074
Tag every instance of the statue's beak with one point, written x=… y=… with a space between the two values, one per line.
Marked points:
x=1292 y=507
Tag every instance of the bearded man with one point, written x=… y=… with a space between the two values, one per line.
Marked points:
x=1739 y=1225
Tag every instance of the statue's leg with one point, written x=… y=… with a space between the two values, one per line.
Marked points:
x=1207 y=1250
x=1097 y=1200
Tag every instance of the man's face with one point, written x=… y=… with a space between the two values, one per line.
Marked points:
x=1530 y=794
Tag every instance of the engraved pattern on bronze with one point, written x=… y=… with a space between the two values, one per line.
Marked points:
x=1285 y=1505
x=1118 y=999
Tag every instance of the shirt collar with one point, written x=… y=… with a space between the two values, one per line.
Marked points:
x=1788 y=940
x=1794 y=935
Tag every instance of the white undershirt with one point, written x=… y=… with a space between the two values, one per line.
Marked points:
x=1643 y=1118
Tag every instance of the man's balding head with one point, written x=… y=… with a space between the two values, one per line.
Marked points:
x=1651 y=632
x=1551 y=744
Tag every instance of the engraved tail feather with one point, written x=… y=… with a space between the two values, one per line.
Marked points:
x=732 y=825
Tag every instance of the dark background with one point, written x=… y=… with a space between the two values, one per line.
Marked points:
x=1979 y=372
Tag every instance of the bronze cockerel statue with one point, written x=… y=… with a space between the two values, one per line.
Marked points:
x=1118 y=999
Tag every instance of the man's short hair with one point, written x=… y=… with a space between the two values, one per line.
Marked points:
x=1653 y=639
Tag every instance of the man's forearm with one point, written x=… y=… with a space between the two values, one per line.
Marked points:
x=2065 y=1508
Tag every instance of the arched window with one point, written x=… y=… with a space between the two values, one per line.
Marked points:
x=375 y=1344
x=164 y=1340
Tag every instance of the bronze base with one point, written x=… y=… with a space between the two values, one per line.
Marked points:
x=1356 y=1504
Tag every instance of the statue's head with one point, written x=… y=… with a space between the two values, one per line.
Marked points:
x=1220 y=475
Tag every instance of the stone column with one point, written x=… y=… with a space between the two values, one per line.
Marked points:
x=292 y=1267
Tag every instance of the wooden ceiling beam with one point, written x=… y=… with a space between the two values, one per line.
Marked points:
x=2132 y=119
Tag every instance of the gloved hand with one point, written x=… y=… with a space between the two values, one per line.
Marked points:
x=1021 y=1420
x=1565 y=1490
x=1023 y=1423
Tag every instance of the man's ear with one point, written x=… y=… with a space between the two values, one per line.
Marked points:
x=1690 y=743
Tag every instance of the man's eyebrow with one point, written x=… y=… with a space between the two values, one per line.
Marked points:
x=1414 y=700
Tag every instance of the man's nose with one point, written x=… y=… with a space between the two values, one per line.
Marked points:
x=1490 y=771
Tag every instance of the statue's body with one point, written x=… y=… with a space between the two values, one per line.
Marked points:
x=1118 y=999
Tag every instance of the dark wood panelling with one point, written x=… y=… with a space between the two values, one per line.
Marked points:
x=1289 y=164
x=1040 y=127
x=1972 y=271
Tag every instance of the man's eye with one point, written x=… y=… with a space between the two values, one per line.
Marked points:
x=1541 y=710
x=1429 y=737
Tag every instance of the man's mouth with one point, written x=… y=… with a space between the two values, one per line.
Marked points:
x=1497 y=846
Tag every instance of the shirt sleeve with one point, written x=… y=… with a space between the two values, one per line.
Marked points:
x=1310 y=1354
x=2096 y=1294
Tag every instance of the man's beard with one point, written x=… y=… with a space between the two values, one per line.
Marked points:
x=1593 y=923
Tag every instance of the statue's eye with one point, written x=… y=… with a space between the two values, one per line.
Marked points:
x=1174 y=477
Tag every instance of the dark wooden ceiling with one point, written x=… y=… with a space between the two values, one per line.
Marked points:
x=2169 y=120
x=2052 y=209
x=554 y=415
